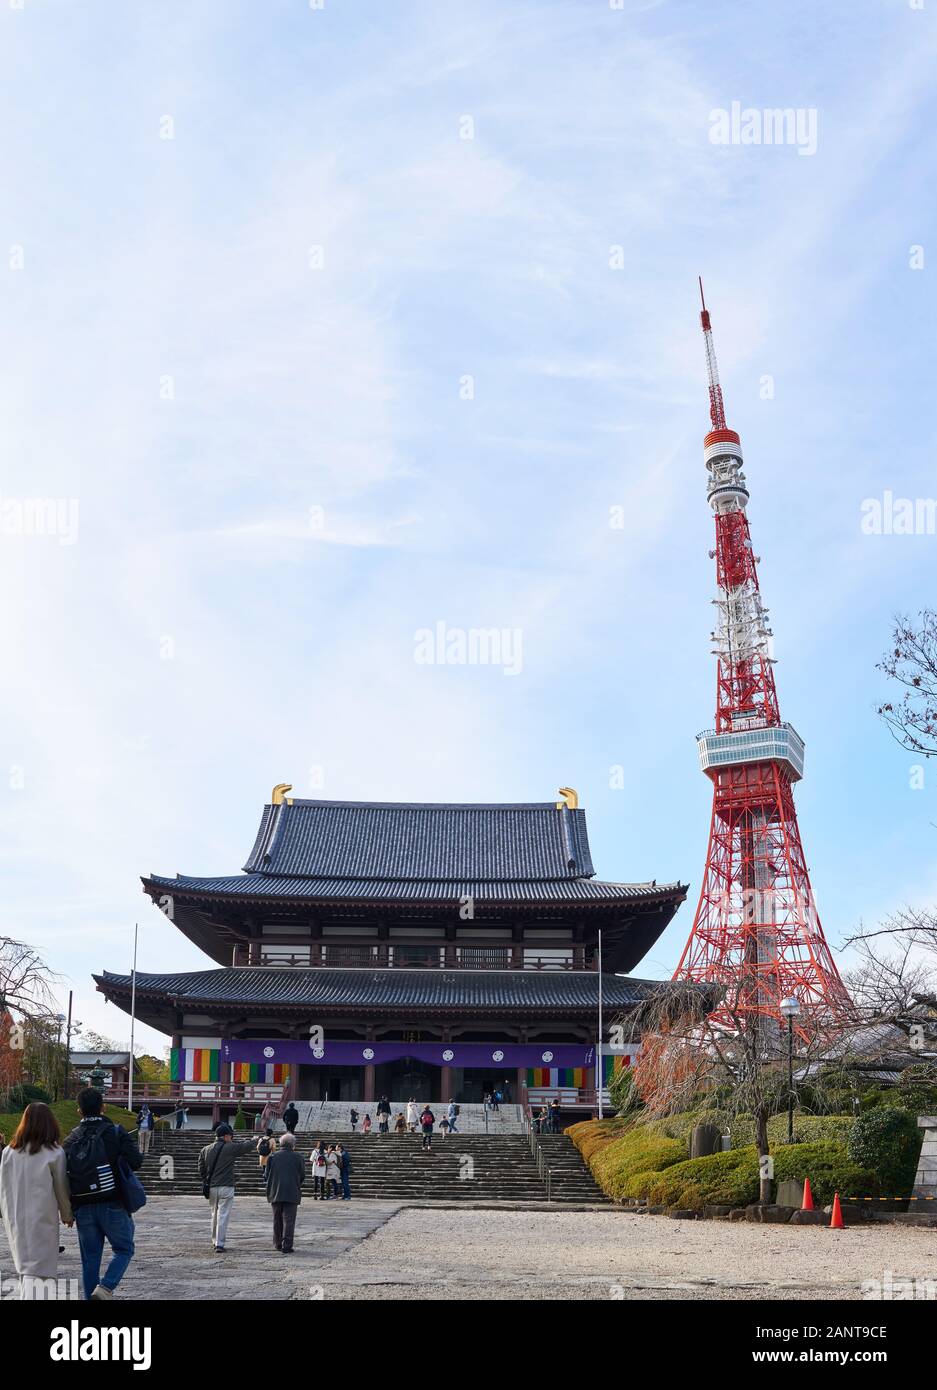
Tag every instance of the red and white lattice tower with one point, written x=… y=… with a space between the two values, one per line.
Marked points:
x=756 y=932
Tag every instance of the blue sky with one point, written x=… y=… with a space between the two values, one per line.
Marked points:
x=210 y=339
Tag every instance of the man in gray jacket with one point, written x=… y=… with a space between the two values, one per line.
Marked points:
x=286 y=1170
x=216 y=1169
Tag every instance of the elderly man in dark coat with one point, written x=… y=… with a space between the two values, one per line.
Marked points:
x=286 y=1170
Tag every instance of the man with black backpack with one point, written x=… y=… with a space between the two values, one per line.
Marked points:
x=99 y=1155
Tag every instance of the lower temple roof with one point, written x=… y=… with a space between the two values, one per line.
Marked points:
x=372 y=990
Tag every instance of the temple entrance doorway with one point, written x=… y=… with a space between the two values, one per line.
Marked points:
x=405 y=1078
x=329 y=1083
x=476 y=1081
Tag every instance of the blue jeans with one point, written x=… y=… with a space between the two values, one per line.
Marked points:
x=97 y=1222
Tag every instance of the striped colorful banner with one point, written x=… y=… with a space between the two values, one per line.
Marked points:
x=195 y=1064
x=581 y=1077
x=262 y=1072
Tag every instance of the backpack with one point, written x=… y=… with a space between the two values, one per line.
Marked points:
x=89 y=1165
x=263 y=1148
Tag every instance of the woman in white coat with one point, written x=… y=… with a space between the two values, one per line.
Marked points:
x=34 y=1196
x=412 y=1115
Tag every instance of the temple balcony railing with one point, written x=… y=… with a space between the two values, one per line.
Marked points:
x=212 y=1092
x=397 y=958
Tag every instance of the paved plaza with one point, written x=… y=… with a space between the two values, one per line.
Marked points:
x=384 y=1250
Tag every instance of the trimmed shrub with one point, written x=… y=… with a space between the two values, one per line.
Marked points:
x=730 y=1177
x=24 y=1094
x=590 y=1136
x=624 y=1167
x=811 y=1129
x=887 y=1141
x=829 y=1168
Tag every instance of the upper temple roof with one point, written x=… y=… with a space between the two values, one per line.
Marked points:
x=403 y=840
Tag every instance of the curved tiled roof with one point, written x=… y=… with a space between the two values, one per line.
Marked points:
x=422 y=890
x=339 y=989
x=404 y=840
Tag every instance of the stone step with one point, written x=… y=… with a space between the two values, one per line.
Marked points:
x=395 y=1167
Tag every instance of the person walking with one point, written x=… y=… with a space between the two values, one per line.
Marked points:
x=291 y=1118
x=333 y=1172
x=216 y=1169
x=412 y=1114
x=427 y=1120
x=366 y=1125
x=319 y=1171
x=353 y=1118
x=145 y=1127
x=345 y=1162
x=452 y=1115
x=496 y=1102
x=286 y=1172
x=555 y=1115
x=34 y=1198
x=266 y=1145
x=94 y=1151
x=400 y=1124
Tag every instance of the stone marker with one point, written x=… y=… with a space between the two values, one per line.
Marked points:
x=791 y=1192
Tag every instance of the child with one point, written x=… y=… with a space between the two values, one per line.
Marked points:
x=366 y=1125
x=444 y=1126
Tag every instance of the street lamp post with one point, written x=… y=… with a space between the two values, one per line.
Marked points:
x=790 y=1008
x=60 y=1019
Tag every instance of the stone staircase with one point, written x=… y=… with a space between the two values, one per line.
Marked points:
x=330 y=1116
x=464 y=1167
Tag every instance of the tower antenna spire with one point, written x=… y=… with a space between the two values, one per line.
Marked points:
x=717 y=413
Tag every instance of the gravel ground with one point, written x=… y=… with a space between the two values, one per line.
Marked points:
x=421 y=1254
x=369 y=1250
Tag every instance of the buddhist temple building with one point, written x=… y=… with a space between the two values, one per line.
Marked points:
x=436 y=951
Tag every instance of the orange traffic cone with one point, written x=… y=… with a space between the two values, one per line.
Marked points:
x=836 y=1220
x=807 y=1203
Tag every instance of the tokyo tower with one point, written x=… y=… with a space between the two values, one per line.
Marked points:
x=756 y=933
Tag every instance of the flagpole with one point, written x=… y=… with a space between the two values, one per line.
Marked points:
x=133 y=1010
x=598 y=1057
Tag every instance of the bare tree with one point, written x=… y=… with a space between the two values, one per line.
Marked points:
x=912 y=663
x=894 y=984
x=25 y=980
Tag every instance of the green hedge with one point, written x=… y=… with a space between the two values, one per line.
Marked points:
x=627 y=1162
x=829 y=1168
x=732 y=1177
x=888 y=1141
x=590 y=1136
